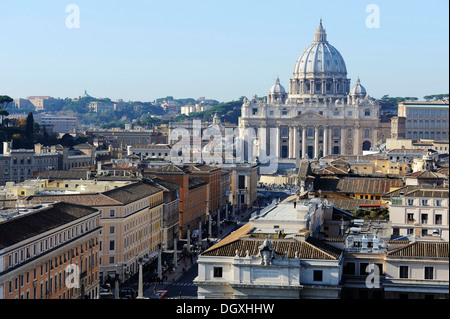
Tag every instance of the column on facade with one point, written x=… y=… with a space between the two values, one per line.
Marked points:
x=316 y=142
x=291 y=142
x=296 y=144
x=343 y=139
x=304 y=142
x=277 y=142
x=356 y=140
x=325 y=141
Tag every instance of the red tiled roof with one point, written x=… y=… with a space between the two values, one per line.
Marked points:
x=422 y=249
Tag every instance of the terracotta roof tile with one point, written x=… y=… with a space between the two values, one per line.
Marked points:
x=311 y=248
x=20 y=228
x=422 y=249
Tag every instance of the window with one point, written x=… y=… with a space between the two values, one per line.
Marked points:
x=410 y=202
x=404 y=272
x=438 y=219
x=112 y=213
x=241 y=182
x=367 y=112
x=349 y=268
x=318 y=275
x=218 y=272
x=429 y=272
x=424 y=202
x=336 y=132
x=111 y=229
x=363 y=268
x=111 y=245
x=424 y=219
x=439 y=202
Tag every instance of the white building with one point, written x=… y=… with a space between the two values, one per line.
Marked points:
x=273 y=256
x=420 y=211
x=59 y=124
x=417 y=271
x=321 y=115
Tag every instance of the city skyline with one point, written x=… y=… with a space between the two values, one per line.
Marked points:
x=144 y=51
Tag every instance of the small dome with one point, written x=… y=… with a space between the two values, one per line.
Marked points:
x=358 y=89
x=277 y=88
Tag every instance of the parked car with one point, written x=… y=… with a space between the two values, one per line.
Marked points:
x=127 y=293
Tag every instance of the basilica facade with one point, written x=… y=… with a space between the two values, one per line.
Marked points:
x=322 y=114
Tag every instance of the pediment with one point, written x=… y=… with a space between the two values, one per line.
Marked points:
x=310 y=115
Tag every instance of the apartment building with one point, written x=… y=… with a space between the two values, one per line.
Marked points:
x=41 y=247
x=194 y=195
x=131 y=217
x=418 y=270
x=420 y=211
x=243 y=183
x=171 y=212
x=40 y=103
x=421 y=120
x=123 y=138
x=17 y=165
x=212 y=176
x=59 y=124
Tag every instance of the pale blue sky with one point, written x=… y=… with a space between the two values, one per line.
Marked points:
x=142 y=50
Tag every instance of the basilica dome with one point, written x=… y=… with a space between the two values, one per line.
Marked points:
x=277 y=88
x=320 y=57
x=358 y=89
x=319 y=72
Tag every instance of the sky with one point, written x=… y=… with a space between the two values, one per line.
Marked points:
x=143 y=50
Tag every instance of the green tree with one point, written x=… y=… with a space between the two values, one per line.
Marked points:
x=29 y=128
x=4 y=101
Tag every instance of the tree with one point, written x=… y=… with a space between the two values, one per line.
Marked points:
x=29 y=128
x=4 y=101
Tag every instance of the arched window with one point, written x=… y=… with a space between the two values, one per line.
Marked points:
x=366 y=146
